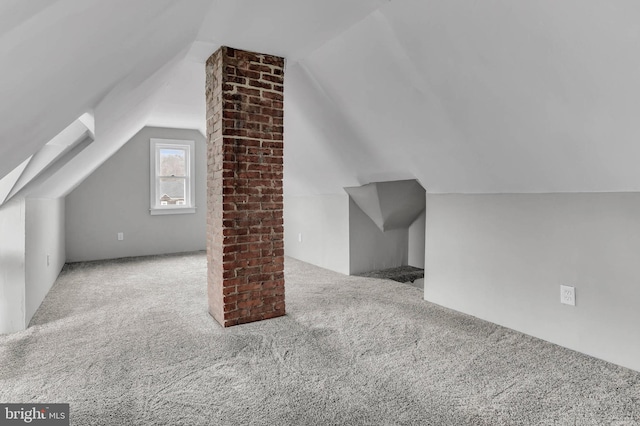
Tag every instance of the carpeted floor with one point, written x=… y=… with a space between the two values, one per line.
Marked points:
x=129 y=342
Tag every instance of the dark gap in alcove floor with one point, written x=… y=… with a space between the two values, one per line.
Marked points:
x=404 y=274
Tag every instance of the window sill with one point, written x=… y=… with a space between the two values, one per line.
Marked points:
x=177 y=210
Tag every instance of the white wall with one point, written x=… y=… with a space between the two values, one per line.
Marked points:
x=338 y=235
x=12 y=266
x=417 y=241
x=115 y=198
x=503 y=258
x=44 y=237
x=371 y=249
x=323 y=221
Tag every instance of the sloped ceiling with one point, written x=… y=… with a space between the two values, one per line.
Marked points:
x=464 y=96
x=62 y=58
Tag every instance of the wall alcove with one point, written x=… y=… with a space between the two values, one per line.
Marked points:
x=387 y=230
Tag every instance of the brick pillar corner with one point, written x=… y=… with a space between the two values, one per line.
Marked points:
x=245 y=231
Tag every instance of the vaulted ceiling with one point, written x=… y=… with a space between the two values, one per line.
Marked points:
x=464 y=96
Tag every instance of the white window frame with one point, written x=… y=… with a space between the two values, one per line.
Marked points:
x=189 y=206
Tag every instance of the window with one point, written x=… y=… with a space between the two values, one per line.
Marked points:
x=172 y=172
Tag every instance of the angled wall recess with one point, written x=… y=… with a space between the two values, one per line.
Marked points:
x=390 y=205
x=386 y=226
x=55 y=152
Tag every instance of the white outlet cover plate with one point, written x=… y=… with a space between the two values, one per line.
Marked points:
x=568 y=295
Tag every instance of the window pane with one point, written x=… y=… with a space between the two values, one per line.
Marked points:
x=173 y=162
x=172 y=191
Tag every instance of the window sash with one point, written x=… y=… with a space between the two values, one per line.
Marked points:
x=188 y=147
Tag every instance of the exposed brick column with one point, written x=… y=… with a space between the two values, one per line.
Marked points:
x=245 y=232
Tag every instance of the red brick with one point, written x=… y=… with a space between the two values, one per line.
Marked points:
x=249 y=91
x=272 y=268
x=248 y=73
x=273 y=96
x=273 y=78
x=261 y=68
x=249 y=287
x=245 y=238
x=274 y=314
x=249 y=303
x=274 y=60
x=260 y=83
x=248 y=255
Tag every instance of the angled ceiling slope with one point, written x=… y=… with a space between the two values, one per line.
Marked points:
x=60 y=58
x=491 y=97
x=289 y=28
x=110 y=58
x=478 y=97
x=390 y=205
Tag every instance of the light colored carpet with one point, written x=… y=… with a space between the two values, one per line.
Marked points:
x=129 y=342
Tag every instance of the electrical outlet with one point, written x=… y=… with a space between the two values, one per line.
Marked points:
x=300 y=237
x=48 y=259
x=120 y=236
x=568 y=295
